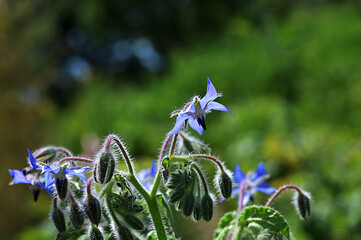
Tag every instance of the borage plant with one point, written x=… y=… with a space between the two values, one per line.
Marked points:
x=115 y=203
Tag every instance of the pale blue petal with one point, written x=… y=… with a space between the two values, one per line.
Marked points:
x=194 y=124
x=153 y=169
x=260 y=172
x=265 y=188
x=78 y=172
x=246 y=198
x=81 y=175
x=19 y=177
x=49 y=180
x=49 y=189
x=47 y=168
x=210 y=95
x=33 y=161
x=179 y=124
x=238 y=175
x=217 y=106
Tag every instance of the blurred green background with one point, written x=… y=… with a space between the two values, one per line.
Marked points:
x=290 y=71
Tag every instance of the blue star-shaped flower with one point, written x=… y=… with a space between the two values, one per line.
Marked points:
x=146 y=175
x=195 y=112
x=254 y=182
x=30 y=179
x=57 y=172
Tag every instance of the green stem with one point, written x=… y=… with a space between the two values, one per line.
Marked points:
x=153 y=208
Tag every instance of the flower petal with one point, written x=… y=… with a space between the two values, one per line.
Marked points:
x=179 y=124
x=19 y=177
x=78 y=172
x=153 y=169
x=260 y=172
x=49 y=180
x=246 y=198
x=210 y=95
x=265 y=188
x=49 y=189
x=194 y=124
x=216 y=106
x=33 y=161
x=238 y=175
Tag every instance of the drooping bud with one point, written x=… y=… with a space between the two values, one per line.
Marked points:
x=58 y=217
x=207 y=207
x=95 y=233
x=302 y=202
x=61 y=185
x=133 y=222
x=124 y=233
x=104 y=167
x=225 y=184
x=197 y=212
x=176 y=195
x=76 y=215
x=93 y=209
x=188 y=203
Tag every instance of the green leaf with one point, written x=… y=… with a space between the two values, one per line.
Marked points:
x=265 y=218
x=225 y=224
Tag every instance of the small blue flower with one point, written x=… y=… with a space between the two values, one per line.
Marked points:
x=146 y=175
x=195 y=112
x=254 y=182
x=32 y=180
x=56 y=172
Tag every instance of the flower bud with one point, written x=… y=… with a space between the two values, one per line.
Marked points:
x=95 y=233
x=134 y=222
x=61 y=185
x=207 y=207
x=303 y=204
x=176 y=195
x=225 y=184
x=197 y=212
x=104 y=167
x=124 y=233
x=188 y=203
x=76 y=216
x=93 y=209
x=58 y=219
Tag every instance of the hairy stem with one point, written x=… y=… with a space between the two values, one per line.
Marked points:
x=159 y=169
x=281 y=189
x=200 y=174
x=205 y=156
x=125 y=154
x=241 y=195
x=74 y=159
x=153 y=208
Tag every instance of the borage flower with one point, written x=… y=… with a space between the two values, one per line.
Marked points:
x=57 y=175
x=195 y=111
x=146 y=175
x=25 y=176
x=253 y=183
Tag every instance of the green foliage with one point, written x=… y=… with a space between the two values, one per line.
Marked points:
x=264 y=218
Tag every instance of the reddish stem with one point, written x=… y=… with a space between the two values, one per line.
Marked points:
x=88 y=185
x=172 y=147
x=281 y=189
x=79 y=159
x=241 y=195
x=55 y=205
x=214 y=159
